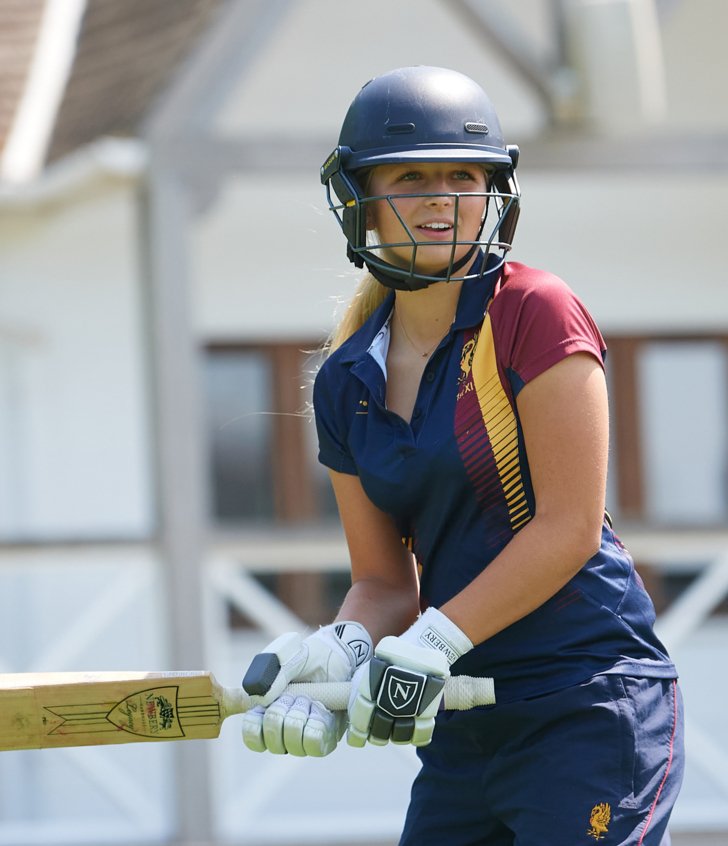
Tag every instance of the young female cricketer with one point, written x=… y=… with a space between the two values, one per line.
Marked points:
x=462 y=413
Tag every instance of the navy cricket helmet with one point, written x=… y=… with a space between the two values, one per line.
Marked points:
x=421 y=114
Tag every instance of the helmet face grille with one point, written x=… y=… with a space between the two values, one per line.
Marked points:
x=374 y=252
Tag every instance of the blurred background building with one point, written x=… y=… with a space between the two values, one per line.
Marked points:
x=168 y=271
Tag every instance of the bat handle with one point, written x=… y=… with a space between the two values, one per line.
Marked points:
x=460 y=694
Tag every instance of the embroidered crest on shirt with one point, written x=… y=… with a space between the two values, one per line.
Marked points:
x=601 y=814
x=466 y=360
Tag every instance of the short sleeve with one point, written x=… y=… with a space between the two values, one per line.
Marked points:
x=538 y=321
x=330 y=423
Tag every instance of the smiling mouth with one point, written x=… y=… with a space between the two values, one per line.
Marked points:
x=436 y=231
x=436 y=227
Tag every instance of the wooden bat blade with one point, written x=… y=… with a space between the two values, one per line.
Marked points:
x=53 y=710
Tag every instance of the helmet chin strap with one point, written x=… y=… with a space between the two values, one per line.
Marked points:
x=413 y=283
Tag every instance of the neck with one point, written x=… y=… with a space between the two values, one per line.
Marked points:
x=426 y=315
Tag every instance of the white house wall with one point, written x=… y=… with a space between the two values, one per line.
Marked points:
x=269 y=261
x=323 y=51
x=73 y=417
x=644 y=251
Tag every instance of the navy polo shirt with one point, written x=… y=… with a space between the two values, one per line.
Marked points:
x=455 y=478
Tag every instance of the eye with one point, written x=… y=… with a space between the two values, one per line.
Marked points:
x=468 y=175
x=409 y=176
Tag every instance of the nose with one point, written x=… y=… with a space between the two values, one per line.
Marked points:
x=440 y=189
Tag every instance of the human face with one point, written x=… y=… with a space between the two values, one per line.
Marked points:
x=426 y=205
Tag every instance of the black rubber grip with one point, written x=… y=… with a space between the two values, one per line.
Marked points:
x=261 y=674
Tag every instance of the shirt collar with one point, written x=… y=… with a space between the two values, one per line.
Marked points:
x=475 y=294
x=472 y=302
x=357 y=345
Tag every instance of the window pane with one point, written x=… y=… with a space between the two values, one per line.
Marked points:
x=239 y=433
x=684 y=422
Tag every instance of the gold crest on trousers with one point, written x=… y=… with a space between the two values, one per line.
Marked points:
x=601 y=814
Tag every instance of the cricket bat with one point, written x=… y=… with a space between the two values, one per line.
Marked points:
x=52 y=710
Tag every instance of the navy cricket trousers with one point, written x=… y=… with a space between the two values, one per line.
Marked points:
x=601 y=762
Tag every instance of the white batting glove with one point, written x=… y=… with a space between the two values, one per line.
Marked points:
x=397 y=695
x=282 y=724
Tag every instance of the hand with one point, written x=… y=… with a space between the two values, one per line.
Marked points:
x=397 y=696
x=299 y=726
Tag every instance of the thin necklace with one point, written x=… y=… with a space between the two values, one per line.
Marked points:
x=427 y=353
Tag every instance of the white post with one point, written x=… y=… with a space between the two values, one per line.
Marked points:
x=180 y=458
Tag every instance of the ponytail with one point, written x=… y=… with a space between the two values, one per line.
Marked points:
x=369 y=295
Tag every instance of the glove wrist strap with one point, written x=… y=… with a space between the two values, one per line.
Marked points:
x=355 y=640
x=436 y=631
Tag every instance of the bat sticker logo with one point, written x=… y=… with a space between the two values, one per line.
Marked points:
x=164 y=712
x=150 y=714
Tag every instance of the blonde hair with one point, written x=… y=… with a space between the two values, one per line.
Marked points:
x=369 y=295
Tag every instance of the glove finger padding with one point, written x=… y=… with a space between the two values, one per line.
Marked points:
x=253 y=729
x=302 y=727
x=323 y=730
x=293 y=726
x=284 y=724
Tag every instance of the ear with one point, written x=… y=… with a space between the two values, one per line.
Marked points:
x=485 y=210
x=370 y=222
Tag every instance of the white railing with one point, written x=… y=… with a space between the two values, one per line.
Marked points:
x=82 y=608
x=283 y=803
x=101 y=608
x=699 y=646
